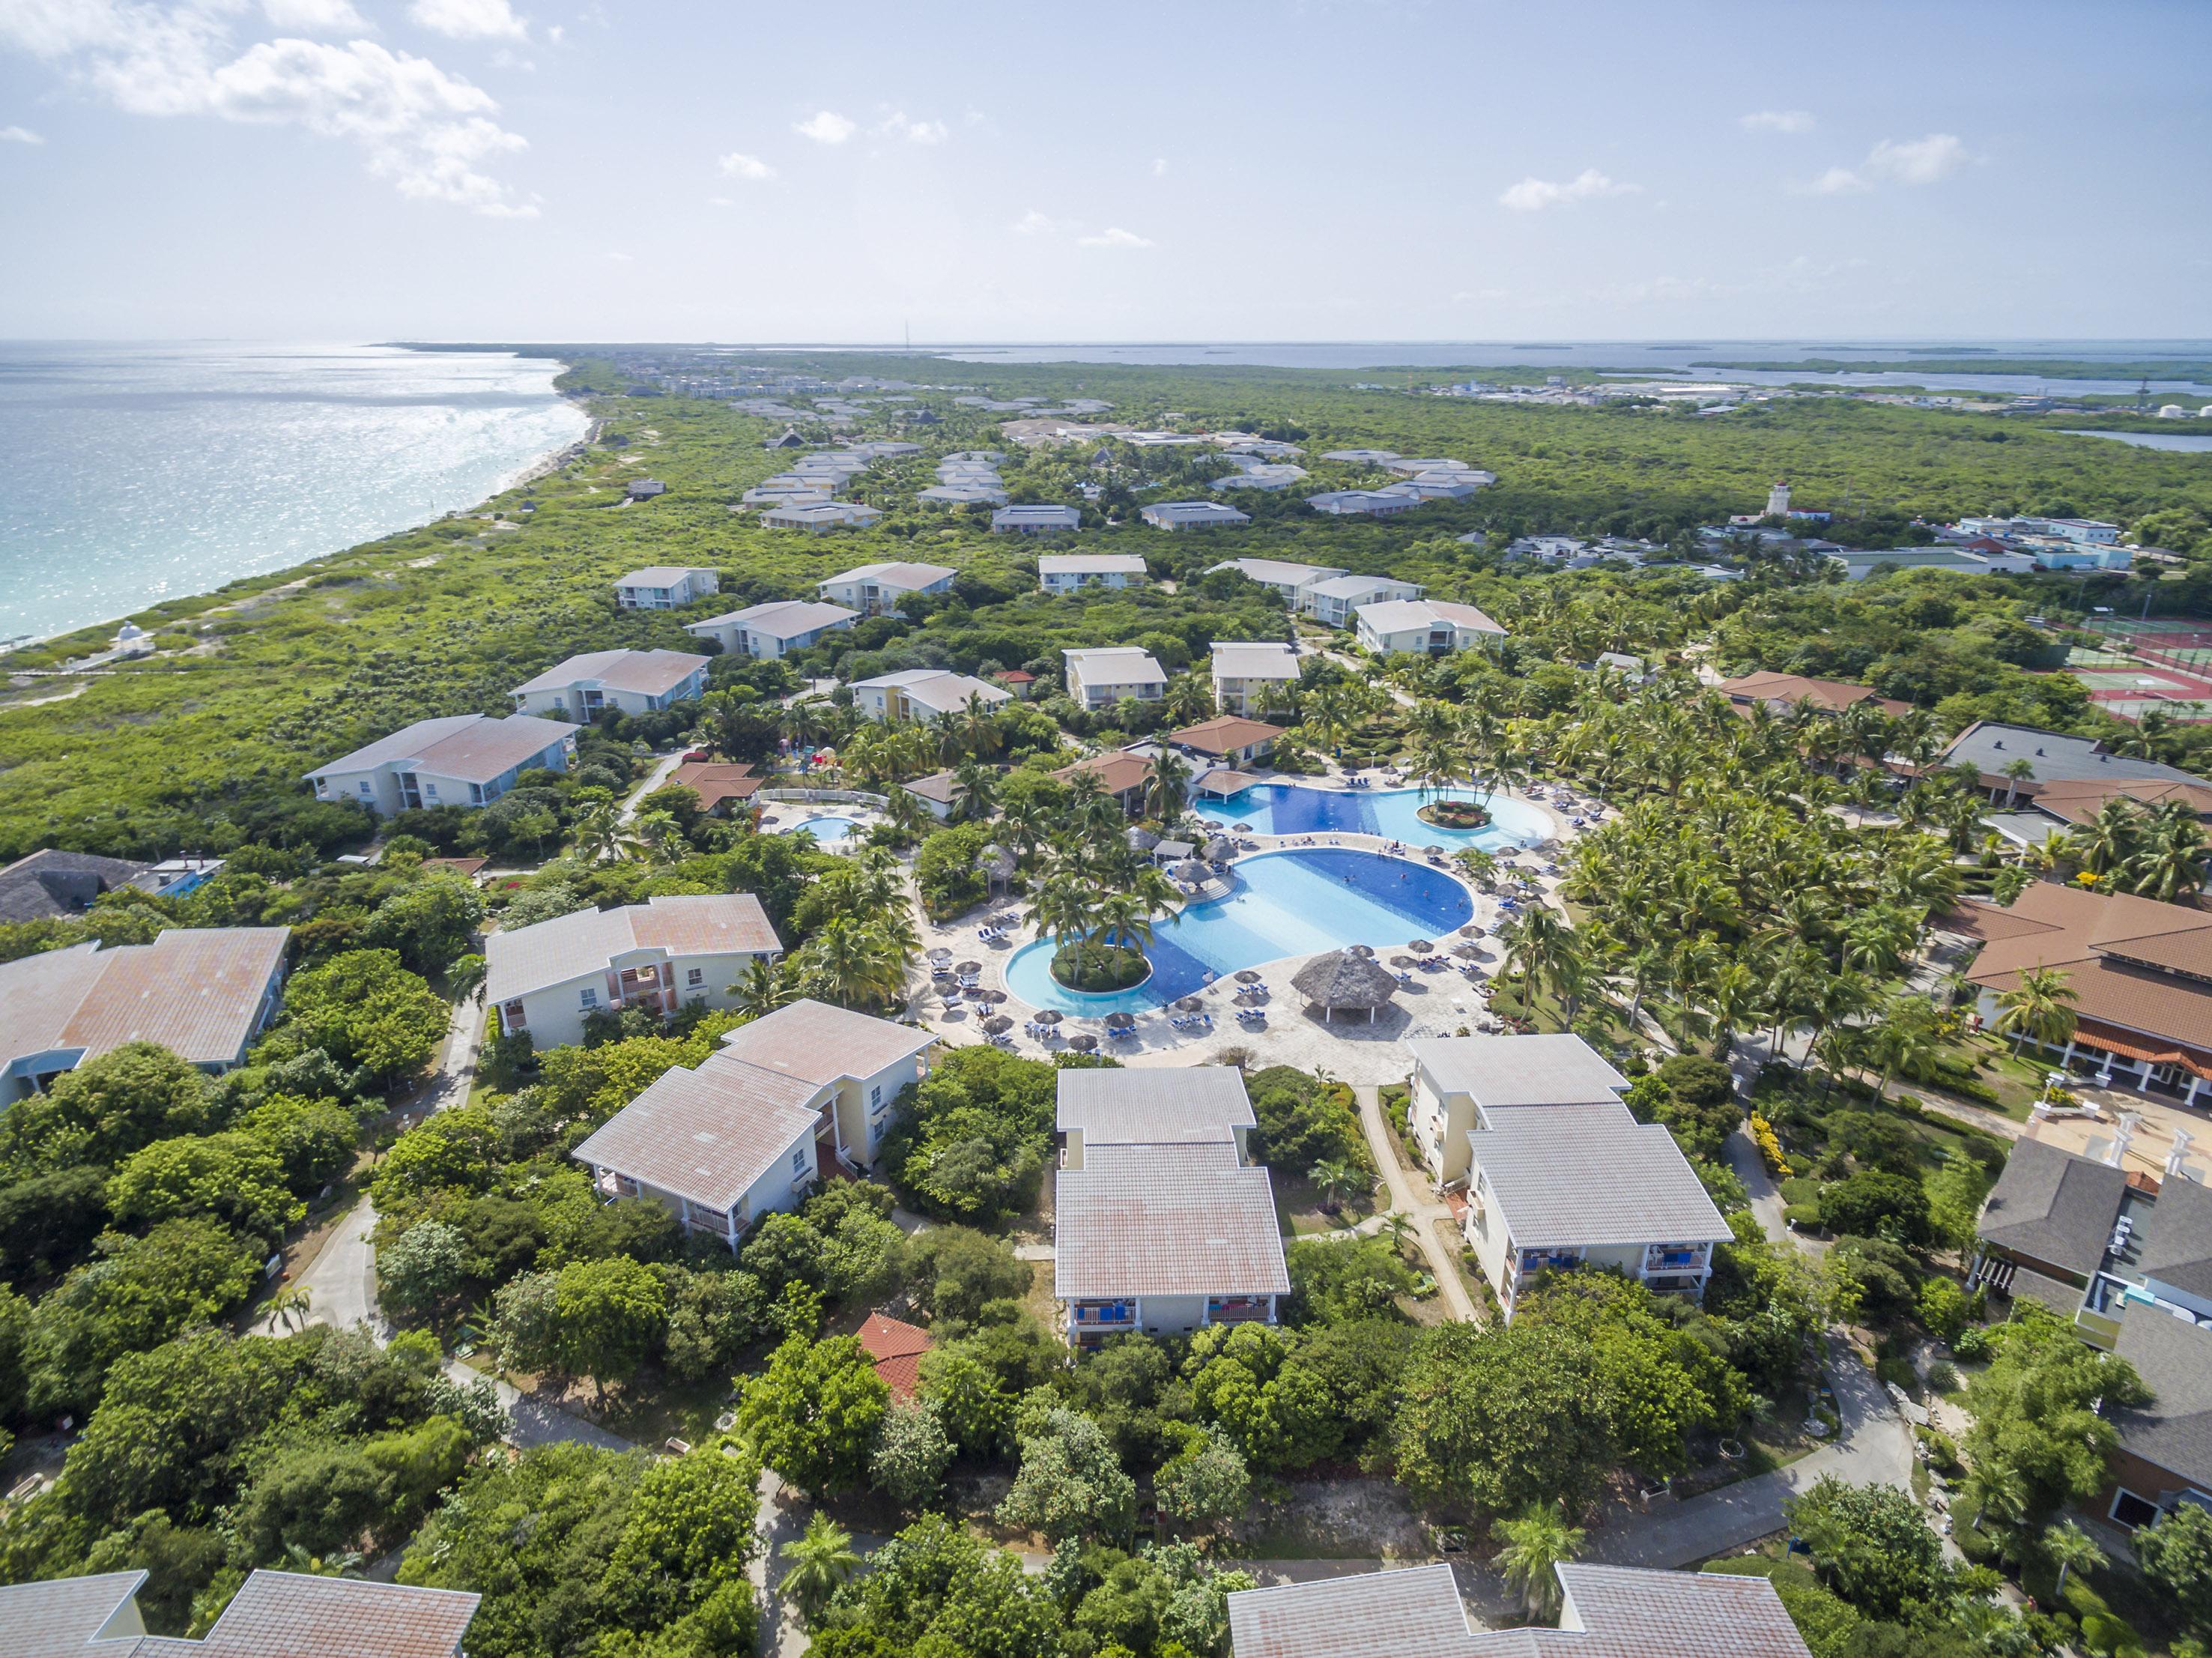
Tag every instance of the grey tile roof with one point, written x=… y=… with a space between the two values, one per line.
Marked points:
x=1631 y=1613
x=61 y=1618
x=2051 y=1205
x=1152 y=1106
x=818 y=1043
x=2174 y=1358
x=706 y=1134
x=1415 y=1613
x=1570 y=1177
x=1354 y=587
x=469 y=747
x=573 y=946
x=782 y=619
x=1519 y=1071
x=52 y=883
x=662 y=575
x=2054 y=756
x=2178 y=1248
x=648 y=672
x=197 y=991
x=1166 y=1220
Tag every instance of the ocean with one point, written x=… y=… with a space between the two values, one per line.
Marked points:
x=133 y=473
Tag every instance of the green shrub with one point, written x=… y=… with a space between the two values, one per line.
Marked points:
x=2104 y=1635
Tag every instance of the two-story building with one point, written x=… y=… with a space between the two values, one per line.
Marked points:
x=1362 y=503
x=820 y=517
x=877 y=589
x=922 y=693
x=751 y=1130
x=205 y=993
x=274 y=1614
x=1193 y=516
x=775 y=629
x=1289 y=581
x=657 y=955
x=1456 y=1079
x=1424 y=627
x=1334 y=600
x=629 y=681
x=1161 y=1223
x=458 y=759
x=1069 y=572
x=665 y=587
x=1243 y=671
x=1038 y=520
x=1100 y=678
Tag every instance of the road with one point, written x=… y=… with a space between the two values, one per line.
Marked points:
x=654 y=779
x=1424 y=1210
x=340 y=1281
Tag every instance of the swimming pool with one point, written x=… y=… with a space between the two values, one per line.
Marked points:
x=1291 y=809
x=1279 y=904
x=827 y=829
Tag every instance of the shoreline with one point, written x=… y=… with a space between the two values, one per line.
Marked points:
x=520 y=478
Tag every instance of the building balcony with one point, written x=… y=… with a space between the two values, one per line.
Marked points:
x=1676 y=1284
x=1238 y=1310
x=1533 y=1261
x=1669 y=1257
x=1098 y=1316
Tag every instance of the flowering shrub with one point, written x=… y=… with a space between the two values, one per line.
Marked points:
x=1769 y=1144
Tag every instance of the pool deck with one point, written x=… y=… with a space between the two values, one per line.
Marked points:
x=1443 y=1003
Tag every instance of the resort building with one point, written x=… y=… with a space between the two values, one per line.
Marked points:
x=1456 y=1079
x=940 y=791
x=1160 y=1223
x=2040 y=758
x=1036 y=521
x=1605 y=1611
x=1124 y=776
x=785 y=495
x=875 y=589
x=1331 y=601
x=819 y=518
x=664 y=586
x=1407 y=467
x=1192 y=514
x=922 y=693
x=2127 y=1260
x=275 y=1614
x=657 y=955
x=1424 y=627
x=1100 y=678
x=972 y=493
x=1289 y=581
x=50 y=883
x=1262 y=476
x=772 y=630
x=1065 y=572
x=895 y=1348
x=629 y=681
x=204 y=993
x=1362 y=503
x=1778 y=693
x=460 y=759
x=718 y=785
x=2140 y=972
x=1441 y=485
x=1360 y=457
x=1228 y=738
x=1243 y=671
x=803 y=1090
x=2051 y=807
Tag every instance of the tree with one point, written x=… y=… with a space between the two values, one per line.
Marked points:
x=1870 y=1544
x=2043 y=1413
x=431 y=925
x=106 y=1109
x=1535 y=1544
x=424 y=1266
x=815 y=1413
x=1206 y=1485
x=2070 y=1549
x=1876 y=1204
x=1954 y=1198
x=1070 y=1483
x=367 y=1011
x=232 y=1177
x=912 y=1452
x=312 y=1139
x=2037 y=1008
x=1502 y=1417
x=612 y=1314
x=2176 y=1554
x=816 y=1565
x=1337 y=1182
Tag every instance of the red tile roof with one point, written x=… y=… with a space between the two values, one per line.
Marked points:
x=897 y=1348
x=1830 y=696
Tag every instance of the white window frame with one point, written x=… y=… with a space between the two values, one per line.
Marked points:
x=591 y=996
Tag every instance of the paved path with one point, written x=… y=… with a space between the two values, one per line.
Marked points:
x=1766 y=1197
x=341 y=1280
x=539 y=1421
x=1422 y=1208
x=654 y=779
x=448 y=1085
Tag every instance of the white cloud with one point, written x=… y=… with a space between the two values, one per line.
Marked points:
x=316 y=16
x=825 y=126
x=428 y=132
x=556 y=34
x=719 y=201
x=1034 y=223
x=1776 y=120
x=620 y=258
x=1159 y=167
x=19 y=135
x=469 y=20
x=1479 y=296
x=1909 y=162
x=1113 y=236
x=739 y=165
x=896 y=125
x=1532 y=195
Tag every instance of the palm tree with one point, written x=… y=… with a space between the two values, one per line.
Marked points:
x=600 y=833
x=1535 y=940
x=1399 y=1227
x=289 y=1307
x=974 y=792
x=298 y=1559
x=2070 y=1549
x=848 y=961
x=765 y=987
x=816 y=1565
x=1910 y=1039
x=1536 y=1546
x=2169 y=857
x=978 y=728
x=1167 y=785
x=1998 y=1490
x=1337 y=1181
x=907 y=812
x=2040 y=1006
x=1122 y=918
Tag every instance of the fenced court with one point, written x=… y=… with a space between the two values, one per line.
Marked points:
x=2142 y=662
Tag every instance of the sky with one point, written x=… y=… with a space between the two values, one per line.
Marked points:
x=1361 y=170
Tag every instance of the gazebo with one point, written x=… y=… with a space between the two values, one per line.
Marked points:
x=1341 y=979
x=1141 y=840
x=997 y=864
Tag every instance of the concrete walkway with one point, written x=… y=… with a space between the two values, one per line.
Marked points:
x=654 y=779
x=1420 y=1206
x=1766 y=1197
x=340 y=1282
x=1874 y=1448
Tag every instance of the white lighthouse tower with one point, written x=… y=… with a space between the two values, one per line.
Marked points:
x=1777 y=502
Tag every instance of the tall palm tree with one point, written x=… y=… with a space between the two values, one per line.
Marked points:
x=816 y=1565
x=2168 y=860
x=1337 y=1181
x=1123 y=917
x=975 y=791
x=2070 y=1549
x=849 y=962
x=763 y=987
x=1909 y=1038
x=979 y=727
x=1536 y=1546
x=2040 y=1006
x=1535 y=940
x=1167 y=785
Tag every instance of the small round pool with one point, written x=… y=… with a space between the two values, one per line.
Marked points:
x=827 y=829
x=1291 y=808
x=1286 y=902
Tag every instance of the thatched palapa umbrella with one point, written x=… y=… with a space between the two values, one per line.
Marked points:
x=1142 y=839
x=970 y=968
x=1220 y=850
x=997 y=1023
x=1192 y=870
x=1082 y=1044
x=1248 y=976
x=1341 y=979
x=1049 y=1016
x=1363 y=950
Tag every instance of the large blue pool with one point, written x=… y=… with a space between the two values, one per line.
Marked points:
x=1279 y=904
x=826 y=830
x=1290 y=808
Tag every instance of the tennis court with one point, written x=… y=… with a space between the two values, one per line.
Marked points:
x=2142 y=662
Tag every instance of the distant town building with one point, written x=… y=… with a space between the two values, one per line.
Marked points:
x=1192 y=514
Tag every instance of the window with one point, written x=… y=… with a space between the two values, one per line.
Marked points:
x=475 y=794
x=798 y=1161
x=696 y=976
x=515 y=1016
x=2131 y=1510
x=591 y=997
x=430 y=789
x=876 y=1098
x=366 y=793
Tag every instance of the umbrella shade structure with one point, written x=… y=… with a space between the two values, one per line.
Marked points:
x=1142 y=840
x=1121 y=1021
x=1248 y=976
x=997 y=1023
x=1471 y=950
x=1049 y=1016
x=1191 y=869
x=1220 y=850
x=1402 y=961
x=1421 y=946
x=1364 y=951
x=1472 y=929
x=970 y=968
x=1190 y=1004
x=1082 y=1044
x=1342 y=982
x=940 y=953
x=1243 y=828
x=997 y=863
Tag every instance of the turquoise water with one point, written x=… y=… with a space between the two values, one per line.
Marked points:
x=1291 y=809
x=828 y=829
x=1279 y=904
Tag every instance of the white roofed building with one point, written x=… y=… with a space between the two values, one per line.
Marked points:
x=1039 y=520
x=1362 y=503
x=274 y=1614
x=1291 y=580
x=665 y=587
x=1457 y=1078
x=772 y=630
x=1100 y=678
x=1425 y=627
x=459 y=759
x=1334 y=600
x=819 y=518
x=631 y=681
x=875 y=589
x=1243 y=671
x=1192 y=514
x=921 y=693
x=1066 y=572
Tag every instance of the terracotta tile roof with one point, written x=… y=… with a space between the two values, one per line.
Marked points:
x=706 y=1134
x=1669 y=1614
x=2124 y=957
x=1413 y=1613
x=1831 y=696
x=574 y=946
x=197 y=991
x=646 y=673
x=821 y=1043
x=897 y=1348
x=1117 y=772
x=1166 y=1220
x=714 y=782
x=2077 y=801
x=1225 y=734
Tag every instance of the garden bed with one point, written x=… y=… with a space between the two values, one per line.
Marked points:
x=1455 y=815
x=1100 y=969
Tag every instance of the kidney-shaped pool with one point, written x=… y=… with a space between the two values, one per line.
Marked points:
x=1279 y=904
x=1294 y=808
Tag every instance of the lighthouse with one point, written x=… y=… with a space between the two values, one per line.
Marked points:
x=1777 y=502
